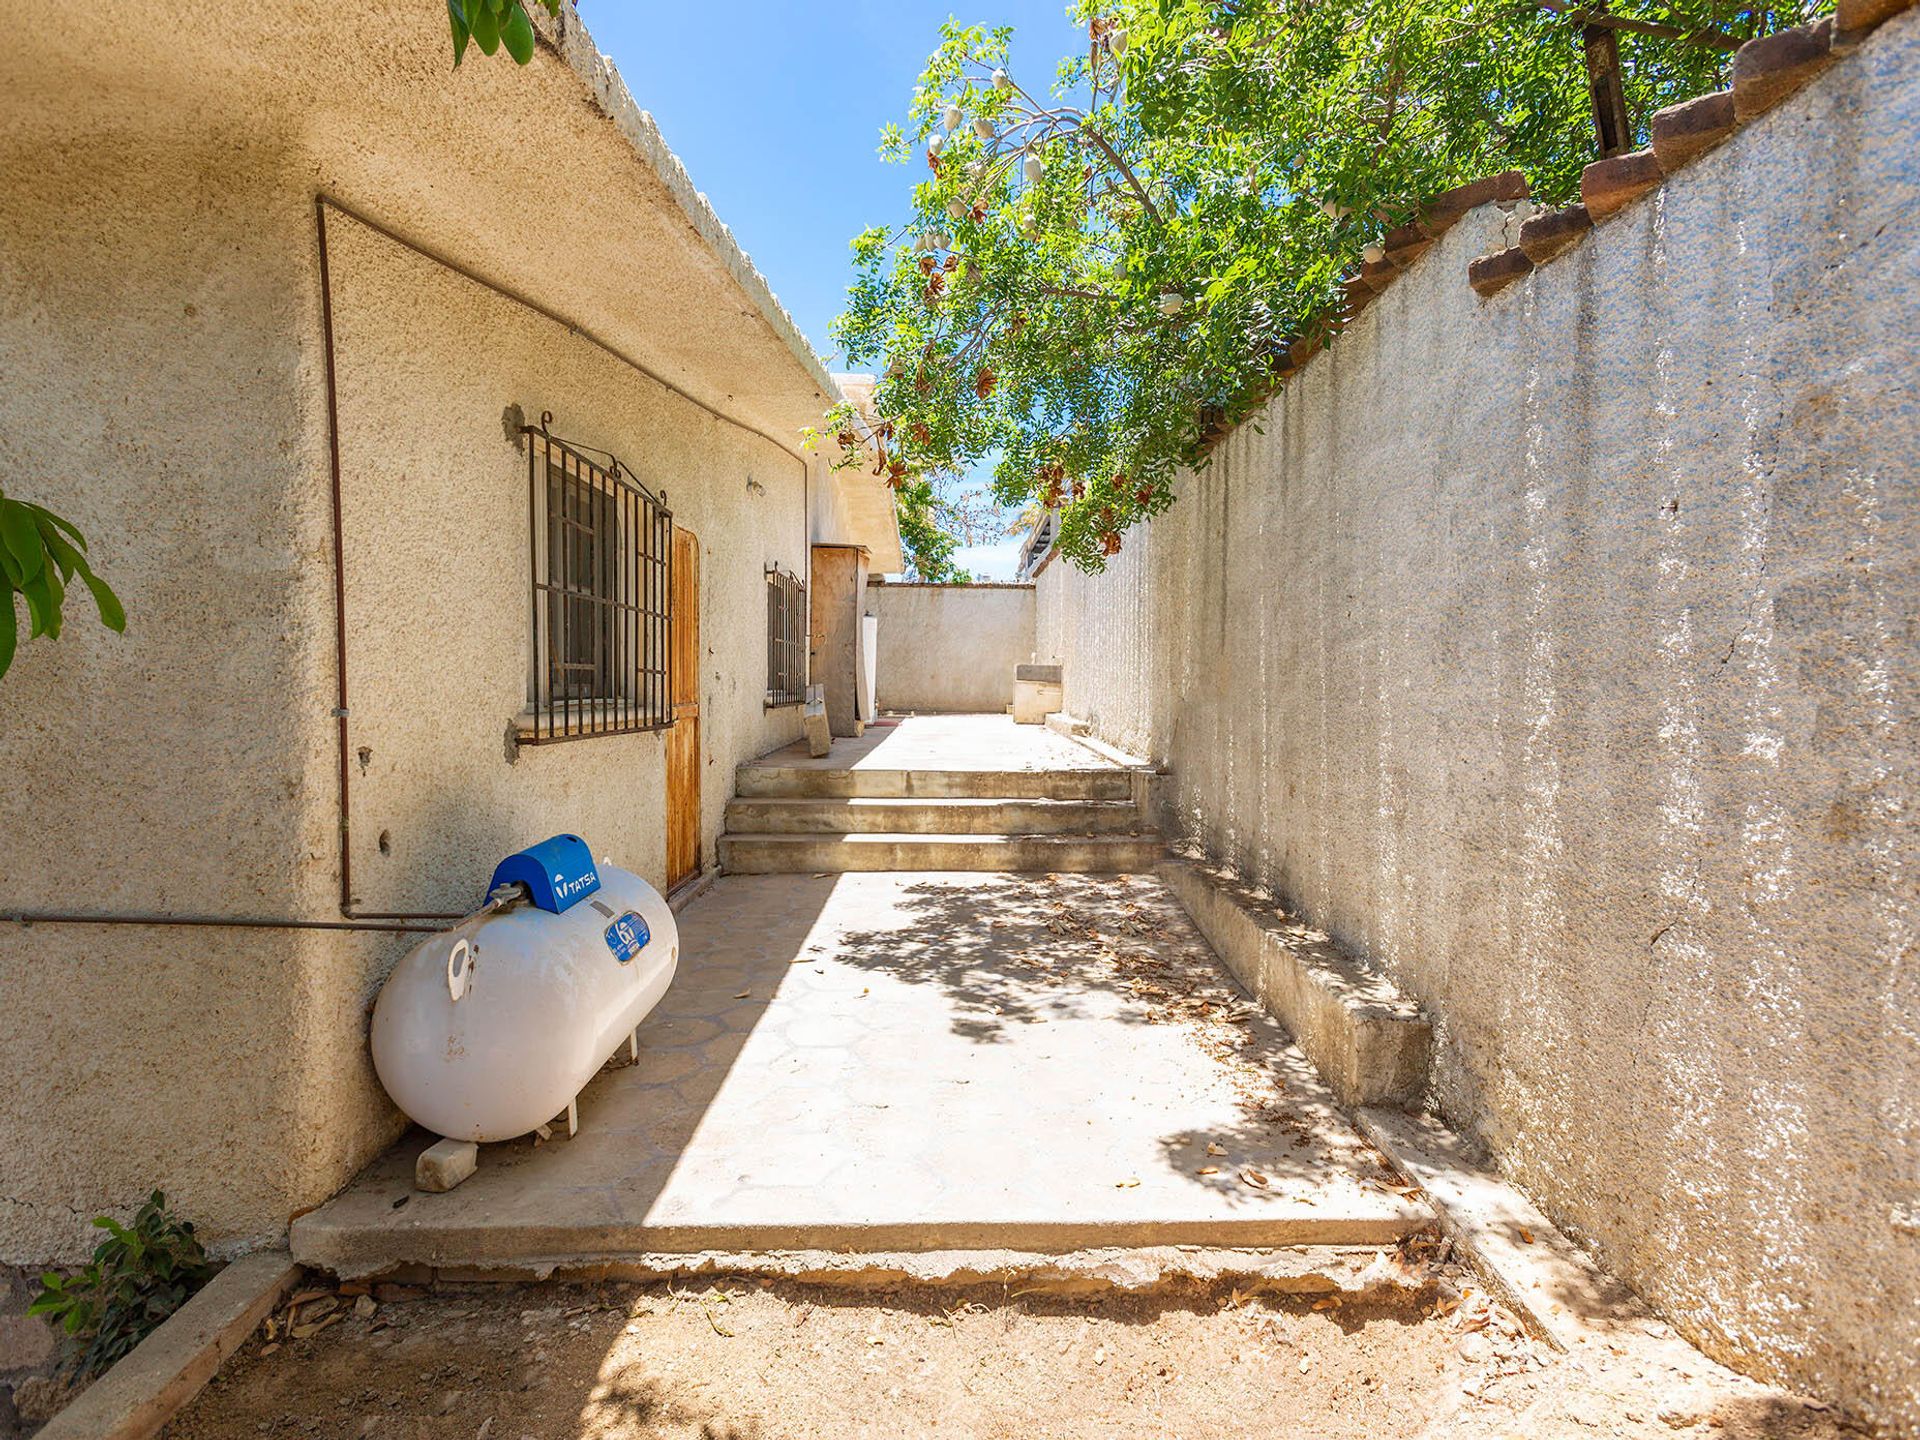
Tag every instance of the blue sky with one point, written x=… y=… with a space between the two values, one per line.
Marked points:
x=776 y=110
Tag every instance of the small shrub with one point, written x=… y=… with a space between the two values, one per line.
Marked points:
x=139 y=1275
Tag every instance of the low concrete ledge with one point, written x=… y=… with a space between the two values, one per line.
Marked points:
x=1544 y=1278
x=1370 y=1043
x=168 y=1368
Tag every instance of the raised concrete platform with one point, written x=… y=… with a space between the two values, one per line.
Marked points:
x=904 y=1062
x=984 y=757
x=789 y=854
x=773 y=815
x=938 y=792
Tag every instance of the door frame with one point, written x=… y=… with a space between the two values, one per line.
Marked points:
x=684 y=827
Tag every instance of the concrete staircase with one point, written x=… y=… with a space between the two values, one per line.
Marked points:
x=787 y=819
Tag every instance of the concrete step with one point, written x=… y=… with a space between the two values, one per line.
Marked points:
x=799 y=782
x=781 y=815
x=750 y=854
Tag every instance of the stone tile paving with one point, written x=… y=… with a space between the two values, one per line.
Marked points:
x=915 y=1061
x=946 y=742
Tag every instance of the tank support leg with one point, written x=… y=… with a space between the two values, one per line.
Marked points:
x=573 y=1116
x=633 y=1046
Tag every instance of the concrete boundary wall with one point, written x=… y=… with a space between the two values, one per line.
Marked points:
x=1556 y=653
x=950 y=647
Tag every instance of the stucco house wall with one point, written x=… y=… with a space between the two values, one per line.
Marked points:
x=435 y=503
x=161 y=311
x=1558 y=653
x=950 y=647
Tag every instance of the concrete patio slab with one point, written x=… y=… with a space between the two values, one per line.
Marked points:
x=945 y=742
x=900 y=1061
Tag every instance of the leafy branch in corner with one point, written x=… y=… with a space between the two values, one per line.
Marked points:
x=493 y=25
x=39 y=555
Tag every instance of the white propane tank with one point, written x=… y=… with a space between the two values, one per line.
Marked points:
x=491 y=1029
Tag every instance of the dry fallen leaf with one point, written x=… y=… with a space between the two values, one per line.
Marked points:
x=744 y=994
x=1306 y=1363
x=1208 y=1170
x=1213 y=1149
x=1254 y=1178
x=1126 y=1184
x=1526 y=1236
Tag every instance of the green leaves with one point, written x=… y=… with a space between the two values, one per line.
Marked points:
x=517 y=35
x=1200 y=192
x=492 y=24
x=22 y=540
x=139 y=1275
x=39 y=553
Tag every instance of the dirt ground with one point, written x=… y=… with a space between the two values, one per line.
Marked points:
x=773 y=1360
x=742 y=1359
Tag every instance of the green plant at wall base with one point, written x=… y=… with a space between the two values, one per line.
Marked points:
x=39 y=555
x=139 y=1275
x=1094 y=261
x=494 y=25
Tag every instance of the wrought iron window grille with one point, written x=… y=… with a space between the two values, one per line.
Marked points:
x=600 y=562
x=786 y=637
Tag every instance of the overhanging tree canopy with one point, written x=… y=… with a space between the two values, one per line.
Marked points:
x=1092 y=264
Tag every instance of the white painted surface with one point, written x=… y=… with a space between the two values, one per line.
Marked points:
x=951 y=647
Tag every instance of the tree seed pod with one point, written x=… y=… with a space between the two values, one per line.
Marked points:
x=983 y=127
x=1117 y=42
x=1001 y=80
x=956 y=210
x=950 y=117
x=1374 y=253
x=934 y=142
x=1172 y=302
x=1033 y=169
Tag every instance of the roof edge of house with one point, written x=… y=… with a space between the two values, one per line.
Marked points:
x=570 y=39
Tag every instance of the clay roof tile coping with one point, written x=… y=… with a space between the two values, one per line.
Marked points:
x=1490 y=274
x=1768 y=70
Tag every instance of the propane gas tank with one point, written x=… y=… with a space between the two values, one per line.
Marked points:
x=490 y=1029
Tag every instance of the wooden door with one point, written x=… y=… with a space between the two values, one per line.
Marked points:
x=683 y=740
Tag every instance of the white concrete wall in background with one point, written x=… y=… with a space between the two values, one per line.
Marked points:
x=951 y=647
x=1559 y=653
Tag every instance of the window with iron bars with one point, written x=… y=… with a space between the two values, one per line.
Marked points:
x=601 y=559
x=786 y=637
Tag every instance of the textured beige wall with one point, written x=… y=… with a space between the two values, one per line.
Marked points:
x=160 y=323
x=950 y=647
x=1558 y=652
x=142 y=276
x=436 y=538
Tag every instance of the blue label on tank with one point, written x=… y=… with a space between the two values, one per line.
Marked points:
x=628 y=936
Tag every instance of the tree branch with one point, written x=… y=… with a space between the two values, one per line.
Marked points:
x=1713 y=39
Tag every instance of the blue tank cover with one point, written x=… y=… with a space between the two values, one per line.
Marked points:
x=557 y=872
